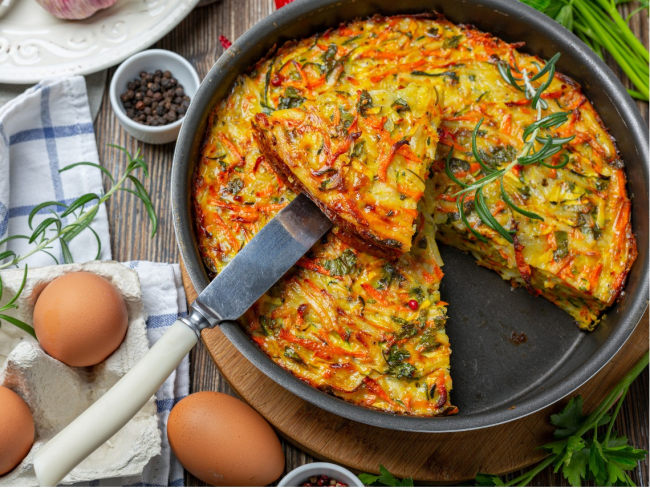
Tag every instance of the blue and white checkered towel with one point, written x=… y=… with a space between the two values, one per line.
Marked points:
x=49 y=127
x=45 y=129
x=164 y=301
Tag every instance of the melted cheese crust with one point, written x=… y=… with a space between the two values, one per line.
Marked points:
x=341 y=319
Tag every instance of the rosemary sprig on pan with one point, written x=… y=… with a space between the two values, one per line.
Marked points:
x=536 y=149
x=53 y=228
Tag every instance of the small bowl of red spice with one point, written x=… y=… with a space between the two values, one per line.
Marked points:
x=151 y=92
x=320 y=474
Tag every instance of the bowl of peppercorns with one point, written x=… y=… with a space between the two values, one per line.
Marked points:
x=150 y=94
x=320 y=474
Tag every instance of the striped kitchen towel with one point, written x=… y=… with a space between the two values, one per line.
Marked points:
x=164 y=302
x=41 y=131
x=47 y=128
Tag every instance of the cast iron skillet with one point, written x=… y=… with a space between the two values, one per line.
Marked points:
x=490 y=373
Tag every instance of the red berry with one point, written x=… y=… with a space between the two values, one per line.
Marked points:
x=414 y=305
x=282 y=3
x=225 y=42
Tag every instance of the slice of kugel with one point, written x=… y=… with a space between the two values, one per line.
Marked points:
x=362 y=157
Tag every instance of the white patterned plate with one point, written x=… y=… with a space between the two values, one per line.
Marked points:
x=36 y=45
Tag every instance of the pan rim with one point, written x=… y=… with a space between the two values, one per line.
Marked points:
x=298 y=11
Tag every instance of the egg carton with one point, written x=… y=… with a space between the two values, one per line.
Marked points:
x=57 y=393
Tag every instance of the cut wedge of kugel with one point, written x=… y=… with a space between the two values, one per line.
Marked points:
x=362 y=157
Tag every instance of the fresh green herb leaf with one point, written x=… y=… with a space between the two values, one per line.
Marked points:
x=359 y=149
x=364 y=103
x=562 y=239
x=388 y=275
x=52 y=229
x=267 y=325
x=400 y=106
x=540 y=5
x=578 y=453
x=291 y=99
x=342 y=265
x=428 y=341
x=397 y=355
x=499 y=155
x=451 y=42
x=293 y=355
x=384 y=479
x=600 y=25
x=483 y=479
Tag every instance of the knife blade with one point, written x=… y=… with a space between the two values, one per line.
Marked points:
x=261 y=263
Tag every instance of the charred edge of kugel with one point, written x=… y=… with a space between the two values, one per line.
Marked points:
x=357 y=237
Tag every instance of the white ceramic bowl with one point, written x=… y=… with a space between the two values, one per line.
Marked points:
x=300 y=475
x=150 y=61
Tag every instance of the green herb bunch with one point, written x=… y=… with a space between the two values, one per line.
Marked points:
x=580 y=451
x=599 y=24
x=83 y=210
x=536 y=149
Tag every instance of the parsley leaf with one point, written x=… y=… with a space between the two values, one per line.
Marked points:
x=384 y=479
x=488 y=480
x=578 y=452
x=451 y=42
x=569 y=419
x=342 y=265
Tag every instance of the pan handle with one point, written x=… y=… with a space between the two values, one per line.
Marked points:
x=111 y=412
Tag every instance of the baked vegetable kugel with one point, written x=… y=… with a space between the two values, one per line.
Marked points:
x=524 y=176
x=362 y=157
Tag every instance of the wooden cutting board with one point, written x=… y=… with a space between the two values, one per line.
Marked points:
x=444 y=458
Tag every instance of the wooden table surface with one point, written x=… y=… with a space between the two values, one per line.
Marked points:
x=196 y=38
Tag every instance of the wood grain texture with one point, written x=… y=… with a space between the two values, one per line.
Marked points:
x=196 y=38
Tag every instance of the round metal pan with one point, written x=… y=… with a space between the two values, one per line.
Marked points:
x=491 y=374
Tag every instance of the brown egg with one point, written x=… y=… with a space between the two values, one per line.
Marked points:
x=80 y=319
x=16 y=430
x=224 y=442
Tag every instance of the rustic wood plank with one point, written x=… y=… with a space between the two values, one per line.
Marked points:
x=196 y=38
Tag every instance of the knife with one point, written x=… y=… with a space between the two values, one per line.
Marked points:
x=262 y=262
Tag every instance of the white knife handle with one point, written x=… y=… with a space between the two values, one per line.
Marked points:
x=111 y=412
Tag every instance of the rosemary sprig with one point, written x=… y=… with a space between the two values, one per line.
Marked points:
x=83 y=216
x=12 y=304
x=53 y=228
x=531 y=153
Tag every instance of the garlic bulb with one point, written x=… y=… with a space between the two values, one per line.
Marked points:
x=74 y=9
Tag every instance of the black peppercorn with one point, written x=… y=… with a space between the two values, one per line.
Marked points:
x=155 y=99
